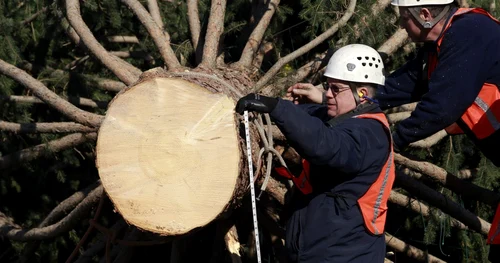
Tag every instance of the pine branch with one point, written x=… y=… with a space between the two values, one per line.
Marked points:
x=253 y=43
x=35 y=15
x=50 y=97
x=493 y=6
x=16 y=233
x=418 y=207
x=194 y=24
x=160 y=37
x=41 y=127
x=58 y=212
x=77 y=101
x=116 y=65
x=214 y=31
x=450 y=181
x=154 y=10
x=123 y=39
x=434 y=198
x=45 y=149
x=394 y=42
x=306 y=48
x=409 y=250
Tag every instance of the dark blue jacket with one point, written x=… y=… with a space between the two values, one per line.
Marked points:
x=327 y=226
x=469 y=57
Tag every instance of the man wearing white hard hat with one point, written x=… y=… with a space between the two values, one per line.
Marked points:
x=347 y=172
x=455 y=77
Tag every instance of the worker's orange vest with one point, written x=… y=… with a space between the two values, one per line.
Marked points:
x=483 y=116
x=373 y=203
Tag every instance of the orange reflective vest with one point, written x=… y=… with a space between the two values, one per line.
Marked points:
x=494 y=234
x=482 y=117
x=373 y=203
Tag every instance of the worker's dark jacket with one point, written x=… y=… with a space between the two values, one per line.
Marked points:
x=467 y=57
x=346 y=159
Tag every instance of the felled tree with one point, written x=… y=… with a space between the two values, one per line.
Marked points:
x=169 y=150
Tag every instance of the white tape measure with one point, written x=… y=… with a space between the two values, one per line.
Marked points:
x=252 y=188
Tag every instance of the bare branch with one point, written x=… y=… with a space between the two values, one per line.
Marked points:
x=74 y=100
x=434 y=198
x=18 y=234
x=194 y=22
x=109 y=84
x=404 y=107
x=493 y=6
x=161 y=38
x=418 y=207
x=450 y=181
x=253 y=43
x=58 y=212
x=394 y=42
x=41 y=127
x=46 y=149
x=123 y=39
x=259 y=57
x=154 y=10
x=306 y=48
x=50 y=97
x=430 y=141
x=113 y=63
x=464 y=4
x=214 y=30
x=398 y=116
x=410 y=251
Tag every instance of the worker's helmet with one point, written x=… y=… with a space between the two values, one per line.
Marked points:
x=356 y=63
x=420 y=2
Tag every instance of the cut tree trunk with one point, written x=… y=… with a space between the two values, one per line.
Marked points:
x=169 y=151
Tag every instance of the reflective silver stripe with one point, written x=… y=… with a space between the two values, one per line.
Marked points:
x=497 y=232
x=381 y=193
x=491 y=117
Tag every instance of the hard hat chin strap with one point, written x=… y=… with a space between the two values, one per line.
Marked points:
x=354 y=90
x=428 y=24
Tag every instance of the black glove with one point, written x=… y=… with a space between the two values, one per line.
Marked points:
x=256 y=102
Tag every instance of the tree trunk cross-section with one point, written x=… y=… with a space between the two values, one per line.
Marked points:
x=168 y=155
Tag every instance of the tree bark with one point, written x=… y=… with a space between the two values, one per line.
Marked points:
x=255 y=39
x=124 y=73
x=44 y=127
x=214 y=31
x=195 y=27
x=394 y=42
x=154 y=10
x=430 y=141
x=123 y=39
x=160 y=37
x=76 y=101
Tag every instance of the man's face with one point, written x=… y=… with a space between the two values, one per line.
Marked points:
x=339 y=98
x=409 y=23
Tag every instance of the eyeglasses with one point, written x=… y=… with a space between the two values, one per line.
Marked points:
x=334 y=88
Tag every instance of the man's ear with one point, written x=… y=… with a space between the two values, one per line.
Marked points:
x=426 y=15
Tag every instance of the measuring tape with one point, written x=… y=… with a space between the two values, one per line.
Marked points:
x=252 y=188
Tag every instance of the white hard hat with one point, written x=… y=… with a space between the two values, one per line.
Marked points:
x=420 y=2
x=356 y=63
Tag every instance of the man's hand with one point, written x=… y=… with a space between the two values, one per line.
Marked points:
x=256 y=102
x=305 y=93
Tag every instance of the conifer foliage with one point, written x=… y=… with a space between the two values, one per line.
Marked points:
x=62 y=62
